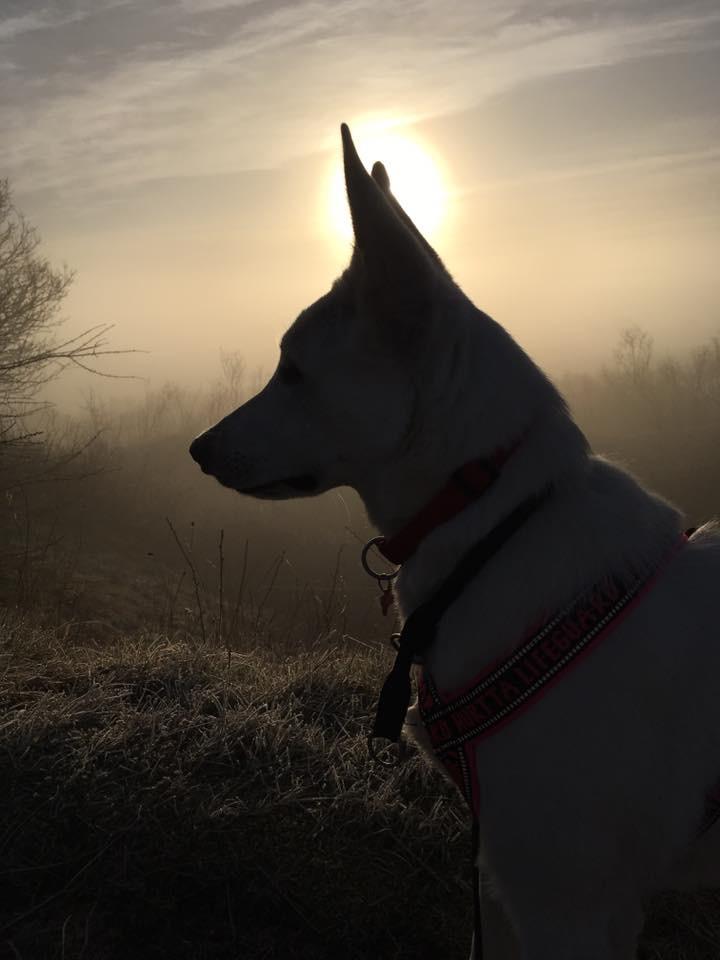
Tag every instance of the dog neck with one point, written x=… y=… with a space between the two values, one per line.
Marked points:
x=465 y=485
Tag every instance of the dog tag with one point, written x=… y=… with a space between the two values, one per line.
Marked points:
x=386 y=598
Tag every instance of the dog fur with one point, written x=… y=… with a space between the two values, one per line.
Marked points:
x=591 y=799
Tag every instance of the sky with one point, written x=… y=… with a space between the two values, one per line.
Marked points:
x=179 y=155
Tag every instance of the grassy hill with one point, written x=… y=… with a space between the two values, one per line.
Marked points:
x=163 y=799
x=167 y=798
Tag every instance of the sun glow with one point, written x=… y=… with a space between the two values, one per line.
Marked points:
x=415 y=179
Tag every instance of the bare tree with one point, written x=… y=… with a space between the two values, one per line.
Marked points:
x=634 y=354
x=31 y=293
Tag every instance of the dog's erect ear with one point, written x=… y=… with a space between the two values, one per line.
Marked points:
x=381 y=178
x=391 y=251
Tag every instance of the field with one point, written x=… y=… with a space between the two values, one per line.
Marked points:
x=165 y=798
x=187 y=680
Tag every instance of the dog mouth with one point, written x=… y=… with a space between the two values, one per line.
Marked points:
x=304 y=484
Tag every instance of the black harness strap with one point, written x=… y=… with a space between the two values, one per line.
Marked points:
x=416 y=636
x=477 y=949
x=420 y=627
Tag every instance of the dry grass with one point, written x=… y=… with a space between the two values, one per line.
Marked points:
x=163 y=800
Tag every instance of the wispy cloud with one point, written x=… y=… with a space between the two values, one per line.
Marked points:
x=13 y=27
x=132 y=92
x=46 y=17
x=206 y=6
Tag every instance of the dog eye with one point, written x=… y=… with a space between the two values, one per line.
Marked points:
x=289 y=373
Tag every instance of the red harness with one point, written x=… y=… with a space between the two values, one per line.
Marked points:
x=458 y=721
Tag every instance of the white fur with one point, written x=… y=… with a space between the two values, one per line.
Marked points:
x=590 y=800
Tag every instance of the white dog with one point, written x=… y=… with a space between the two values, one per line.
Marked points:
x=593 y=797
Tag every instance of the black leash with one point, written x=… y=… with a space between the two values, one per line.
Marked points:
x=420 y=627
x=477 y=947
x=416 y=636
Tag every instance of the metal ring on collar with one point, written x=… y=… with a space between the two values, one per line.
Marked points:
x=381 y=577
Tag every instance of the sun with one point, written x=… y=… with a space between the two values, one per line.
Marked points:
x=415 y=179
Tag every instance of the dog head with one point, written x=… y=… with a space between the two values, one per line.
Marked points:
x=344 y=400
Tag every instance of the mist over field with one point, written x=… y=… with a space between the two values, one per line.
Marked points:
x=95 y=539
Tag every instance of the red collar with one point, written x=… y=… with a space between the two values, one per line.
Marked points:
x=467 y=484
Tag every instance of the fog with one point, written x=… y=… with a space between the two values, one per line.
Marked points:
x=108 y=525
x=565 y=256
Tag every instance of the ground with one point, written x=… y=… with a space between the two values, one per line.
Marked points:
x=165 y=797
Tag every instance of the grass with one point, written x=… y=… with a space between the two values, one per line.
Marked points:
x=164 y=798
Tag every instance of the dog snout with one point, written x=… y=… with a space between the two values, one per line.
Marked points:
x=202 y=450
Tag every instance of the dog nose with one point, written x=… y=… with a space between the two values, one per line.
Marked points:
x=202 y=447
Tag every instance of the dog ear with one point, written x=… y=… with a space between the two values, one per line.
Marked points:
x=381 y=178
x=394 y=258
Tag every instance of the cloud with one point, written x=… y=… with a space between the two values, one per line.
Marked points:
x=207 y=6
x=202 y=87
x=12 y=27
